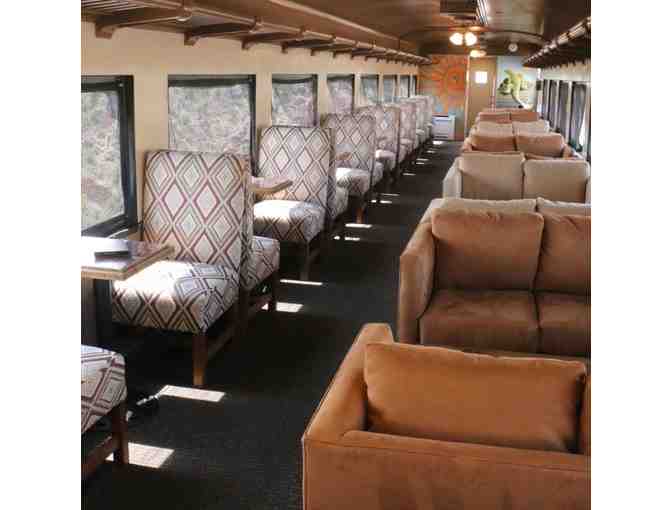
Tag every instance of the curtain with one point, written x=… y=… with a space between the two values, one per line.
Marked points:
x=294 y=100
x=563 y=108
x=579 y=91
x=553 y=104
x=102 y=193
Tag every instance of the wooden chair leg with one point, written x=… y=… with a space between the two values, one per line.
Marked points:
x=359 y=211
x=120 y=432
x=275 y=287
x=200 y=358
x=243 y=312
x=305 y=262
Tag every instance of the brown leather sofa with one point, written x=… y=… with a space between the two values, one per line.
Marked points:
x=490 y=281
x=379 y=440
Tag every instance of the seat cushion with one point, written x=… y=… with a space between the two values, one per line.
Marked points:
x=264 y=261
x=378 y=171
x=502 y=117
x=524 y=115
x=287 y=220
x=486 y=250
x=491 y=177
x=356 y=181
x=448 y=395
x=555 y=207
x=549 y=144
x=492 y=143
x=175 y=295
x=467 y=204
x=494 y=128
x=103 y=383
x=564 y=324
x=341 y=201
x=564 y=263
x=492 y=319
x=557 y=179
x=388 y=158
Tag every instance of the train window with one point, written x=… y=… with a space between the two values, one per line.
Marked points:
x=553 y=104
x=545 y=94
x=341 y=92
x=414 y=85
x=576 y=120
x=211 y=113
x=294 y=100
x=563 y=108
x=404 y=86
x=389 y=88
x=369 y=89
x=109 y=199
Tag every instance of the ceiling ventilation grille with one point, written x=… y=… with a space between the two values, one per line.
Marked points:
x=459 y=10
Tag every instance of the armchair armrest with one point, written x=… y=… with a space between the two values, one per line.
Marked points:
x=344 y=156
x=452 y=182
x=268 y=185
x=569 y=153
x=343 y=407
x=416 y=282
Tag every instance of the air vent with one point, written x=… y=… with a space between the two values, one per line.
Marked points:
x=459 y=10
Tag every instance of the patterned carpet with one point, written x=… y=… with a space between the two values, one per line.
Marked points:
x=236 y=445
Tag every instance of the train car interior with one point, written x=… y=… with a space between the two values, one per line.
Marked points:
x=337 y=255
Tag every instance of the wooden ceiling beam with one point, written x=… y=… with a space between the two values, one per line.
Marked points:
x=106 y=25
x=252 y=40
x=307 y=43
x=221 y=30
x=331 y=47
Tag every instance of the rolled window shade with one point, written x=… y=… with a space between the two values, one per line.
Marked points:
x=294 y=101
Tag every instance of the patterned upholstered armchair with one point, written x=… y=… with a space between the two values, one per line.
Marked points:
x=424 y=118
x=354 y=147
x=297 y=215
x=194 y=202
x=407 y=137
x=387 y=132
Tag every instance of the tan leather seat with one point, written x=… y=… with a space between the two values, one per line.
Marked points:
x=564 y=322
x=498 y=319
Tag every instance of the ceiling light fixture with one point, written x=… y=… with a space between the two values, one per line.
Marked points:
x=477 y=53
x=470 y=39
x=457 y=38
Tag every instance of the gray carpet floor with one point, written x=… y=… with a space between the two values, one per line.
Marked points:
x=237 y=445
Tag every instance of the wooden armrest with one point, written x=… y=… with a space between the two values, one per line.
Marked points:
x=343 y=156
x=269 y=185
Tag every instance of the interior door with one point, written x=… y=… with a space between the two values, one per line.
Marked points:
x=482 y=74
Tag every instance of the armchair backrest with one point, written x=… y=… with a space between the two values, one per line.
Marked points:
x=355 y=135
x=196 y=203
x=408 y=120
x=387 y=125
x=424 y=109
x=303 y=155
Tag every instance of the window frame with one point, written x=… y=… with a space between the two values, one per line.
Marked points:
x=215 y=80
x=351 y=77
x=575 y=143
x=286 y=79
x=123 y=85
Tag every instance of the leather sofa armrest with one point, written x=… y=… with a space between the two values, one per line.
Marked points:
x=568 y=152
x=588 y=191
x=416 y=282
x=343 y=407
x=452 y=182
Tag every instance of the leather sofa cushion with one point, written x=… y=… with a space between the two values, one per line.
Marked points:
x=494 y=128
x=492 y=143
x=449 y=395
x=486 y=250
x=480 y=319
x=524 y=115
x=467 y=204
x=564 y=262
x=550 y=207
x=492 y=177
x=537 y=127
x=550 y=144
x=584 y=421
x=558 y=179
x=502 y=117
x=564 y=324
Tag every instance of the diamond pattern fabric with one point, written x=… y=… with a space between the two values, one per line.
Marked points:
x=356 y=181
x=264 y=261
x=408 y=120
x=176 y=296
x=341 y=201
x=103 y=383
x=288 y=220
x=354 y=135
x=387 y=124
